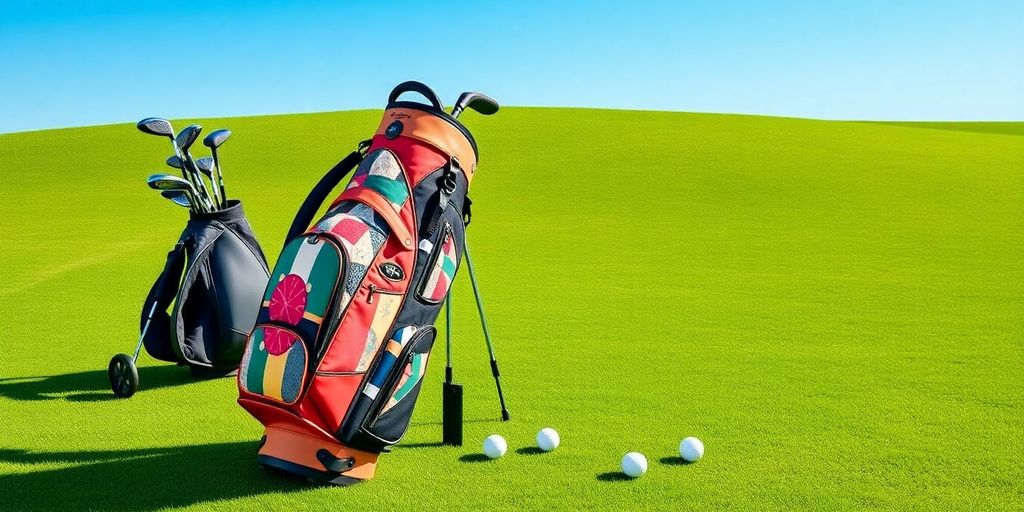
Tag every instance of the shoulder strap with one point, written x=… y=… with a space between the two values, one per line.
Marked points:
x=319 y=193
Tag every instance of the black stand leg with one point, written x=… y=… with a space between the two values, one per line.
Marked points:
x=451 y=404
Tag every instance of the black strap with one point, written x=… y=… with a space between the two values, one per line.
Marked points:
x=319 y=193
x=446 y=184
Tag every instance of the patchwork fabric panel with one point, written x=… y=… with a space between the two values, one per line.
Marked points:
x=387 y=361
x=442 y=272
x=382 y=172
x=304 y=279
x=387 y=310
x=410 y=377
x=274 y=364
x=362 y=232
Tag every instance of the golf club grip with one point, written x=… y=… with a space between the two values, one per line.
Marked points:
x=414 y=86
x=319 y=193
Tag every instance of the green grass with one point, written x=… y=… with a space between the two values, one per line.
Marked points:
x=835 y=308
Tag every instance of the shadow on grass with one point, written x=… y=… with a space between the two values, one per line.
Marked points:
x=529 y=450
x=613 y=476
x=139 y=479
x=441 y=423
x=674 y=461
x=88 y=386
x=475 y=457
x=427 y=444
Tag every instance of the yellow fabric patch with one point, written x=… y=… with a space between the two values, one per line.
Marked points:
x=273 y=375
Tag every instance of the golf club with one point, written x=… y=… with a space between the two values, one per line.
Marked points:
x=169 y=182
x=480 y=102
x=174 y=161
x=177 y=197
x=205 y=166
x=184 y=140
x=162 y=128
x=214 y=141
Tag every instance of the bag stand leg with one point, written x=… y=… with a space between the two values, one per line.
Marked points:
x=487 y=335
x=452 y=393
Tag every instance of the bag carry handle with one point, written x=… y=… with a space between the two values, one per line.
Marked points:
x=319 y=194
x=414 y=86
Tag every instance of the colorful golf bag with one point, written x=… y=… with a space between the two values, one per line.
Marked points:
x=335 y=363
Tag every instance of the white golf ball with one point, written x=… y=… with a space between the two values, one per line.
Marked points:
x=495 y=446
x=547 y=439
x=634 y=464
x=691 y=449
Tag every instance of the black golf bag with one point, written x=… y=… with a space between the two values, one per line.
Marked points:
x=201 y=308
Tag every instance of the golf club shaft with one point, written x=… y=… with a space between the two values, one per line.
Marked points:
x=213 y=185
x=191 y=164
x=220 y=178
x=487 y=334
x=189 y=175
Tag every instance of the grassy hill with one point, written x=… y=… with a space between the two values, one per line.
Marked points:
x=835 y=308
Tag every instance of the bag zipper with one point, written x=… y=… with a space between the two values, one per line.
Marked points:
x=374 y=289
x=435 y=253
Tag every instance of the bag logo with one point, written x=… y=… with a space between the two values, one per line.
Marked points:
x=391 y=271
x=394 y=129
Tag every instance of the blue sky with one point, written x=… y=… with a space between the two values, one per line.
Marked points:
x=80 y=63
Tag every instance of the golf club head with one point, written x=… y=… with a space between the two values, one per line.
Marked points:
x=178 y=197
x=205 y=166
x=174 y=161
x=187 y=136
x=215 y=139
x=156 y=126
x=479 y=102
x=168 y=182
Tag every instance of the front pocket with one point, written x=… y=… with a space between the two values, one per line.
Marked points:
x=303 y=286
x=440 y=270
x=400 y=377
x=275 y=364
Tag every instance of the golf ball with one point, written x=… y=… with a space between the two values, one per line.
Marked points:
x=691 y=449
x=495 y=446
x=634 y=464
x=547 y=439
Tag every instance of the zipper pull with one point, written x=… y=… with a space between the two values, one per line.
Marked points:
x=369 y=296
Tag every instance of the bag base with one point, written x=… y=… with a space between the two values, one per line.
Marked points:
x=313 y=457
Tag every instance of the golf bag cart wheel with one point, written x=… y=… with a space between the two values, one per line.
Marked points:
x=123 y=375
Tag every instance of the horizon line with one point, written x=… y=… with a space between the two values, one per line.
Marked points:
x=550 y=107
